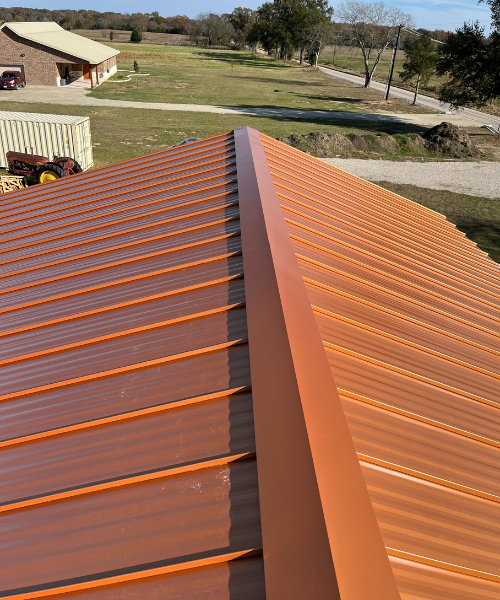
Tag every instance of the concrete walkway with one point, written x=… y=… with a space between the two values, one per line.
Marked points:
x=472 y=178
x=79 y=97
x=468 y=114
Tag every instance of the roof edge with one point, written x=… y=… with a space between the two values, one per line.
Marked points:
x=28 y=37
x=320 y=534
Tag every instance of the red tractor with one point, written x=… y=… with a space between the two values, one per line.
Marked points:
x=41 y=167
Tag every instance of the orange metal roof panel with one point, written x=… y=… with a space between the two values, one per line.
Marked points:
x=127 y=444
x=408 y=310
x=169 y=423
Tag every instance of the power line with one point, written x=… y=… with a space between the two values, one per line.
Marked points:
x=419 y=34
x=458 y=23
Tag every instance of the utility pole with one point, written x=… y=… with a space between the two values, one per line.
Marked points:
x=391 y=71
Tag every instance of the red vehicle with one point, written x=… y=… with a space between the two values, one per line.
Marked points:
x=11 y=80
x=41 y=167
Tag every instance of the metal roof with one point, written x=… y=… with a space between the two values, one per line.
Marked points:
x=169 y=423
x=55 y=37
x=409 y=315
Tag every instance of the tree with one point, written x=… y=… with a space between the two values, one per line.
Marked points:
x=311 y=26
x=495 y=13
x=136 y=36
x=242 y=20
x=283 y=26
x=111 y=35
x=320 y=35
x=267 y=29
x=372 y=27
x=214 y=28
x=471 y=63
x=421 y=59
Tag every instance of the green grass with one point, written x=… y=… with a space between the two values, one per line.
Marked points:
x=122 y=133
x=184 y=75
x=478 y=218
x=350 y=60
x=119 y=134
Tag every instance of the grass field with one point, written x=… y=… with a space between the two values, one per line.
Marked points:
x=123 y=37
x=349 y=59
x=235 y=78
x=478 y=218
x=122 y=133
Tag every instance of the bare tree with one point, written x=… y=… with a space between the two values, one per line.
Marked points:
x=320 y=34
x=371 y=26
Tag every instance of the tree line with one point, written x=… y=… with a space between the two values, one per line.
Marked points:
x=92 y=19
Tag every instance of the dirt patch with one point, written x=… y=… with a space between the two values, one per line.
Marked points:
x=329 y=145
x=320 y=144
x=358 y=142
x=449 y=140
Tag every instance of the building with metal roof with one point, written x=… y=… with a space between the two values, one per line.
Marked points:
x=47 y=53
x=232 y=371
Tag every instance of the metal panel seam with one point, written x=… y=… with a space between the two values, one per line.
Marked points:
x=410 y=374
x=129 y=279
x=132 y=479
x=132 y=367
x=416 y=417
x=135 y=575
x=48 y=433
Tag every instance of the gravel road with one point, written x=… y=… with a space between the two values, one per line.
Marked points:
x=472 y=178
x=79 y=96
x=476 y=116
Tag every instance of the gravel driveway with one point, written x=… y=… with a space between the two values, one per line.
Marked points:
x=472 y=178
x=480 y=118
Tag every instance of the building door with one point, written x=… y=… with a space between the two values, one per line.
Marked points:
x=86 y=71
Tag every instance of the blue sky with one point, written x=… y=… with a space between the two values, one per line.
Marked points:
x=432 y=14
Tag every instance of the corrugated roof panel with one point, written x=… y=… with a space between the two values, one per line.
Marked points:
x=435 y=584
x=148 y=448
x=408 y=310
x=7 y=115
x=126 y=427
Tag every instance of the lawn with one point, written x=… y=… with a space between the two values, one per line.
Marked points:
x=122 y=133
x=188 y=75
x=478 y=218
x=349 y=59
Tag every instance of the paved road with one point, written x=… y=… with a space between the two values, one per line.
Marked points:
x=78 y=96
x=427 y=101
x=472 y=178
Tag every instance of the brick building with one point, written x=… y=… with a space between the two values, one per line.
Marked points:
x=46 y=53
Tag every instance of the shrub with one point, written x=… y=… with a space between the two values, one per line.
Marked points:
x=136 y=36
x=111 y=36
x=136 y=66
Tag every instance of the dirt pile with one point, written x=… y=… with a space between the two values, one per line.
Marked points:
x=447 y=139
x=320 y=144
x=327 y=145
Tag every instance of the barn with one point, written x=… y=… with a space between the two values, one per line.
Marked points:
x=47 y=53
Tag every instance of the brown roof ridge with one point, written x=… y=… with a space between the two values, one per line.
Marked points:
x=308 y=471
